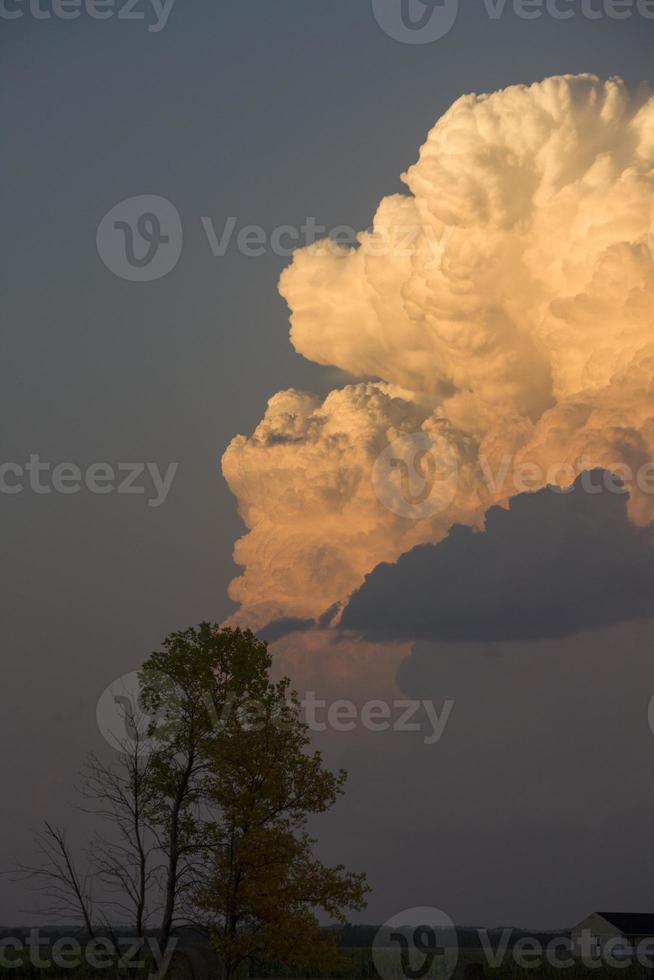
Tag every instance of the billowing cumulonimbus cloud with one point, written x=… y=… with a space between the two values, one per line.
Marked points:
x=506 y=305
x=303 y=481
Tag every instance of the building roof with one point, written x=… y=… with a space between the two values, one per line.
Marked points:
x=631 y=923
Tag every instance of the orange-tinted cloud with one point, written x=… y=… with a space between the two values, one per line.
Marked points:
x=506 y=306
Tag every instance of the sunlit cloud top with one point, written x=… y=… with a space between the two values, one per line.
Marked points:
x=506 y=305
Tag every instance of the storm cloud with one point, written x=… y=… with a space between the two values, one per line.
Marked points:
x=551 y=564
x=503 y=307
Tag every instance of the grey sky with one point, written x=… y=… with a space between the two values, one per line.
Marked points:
x=271 y=112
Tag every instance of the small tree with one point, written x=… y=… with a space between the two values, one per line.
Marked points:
x=265 y=886
x=63 y=885
x=207 y=816
x=155 y=796
x=122 y=796
x=198 y=677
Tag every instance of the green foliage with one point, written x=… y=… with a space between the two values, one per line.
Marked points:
x=212 y=817
x=265 y=885
x=190 y=686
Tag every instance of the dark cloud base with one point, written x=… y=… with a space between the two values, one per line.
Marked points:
x=554 y=564
x=279 y=628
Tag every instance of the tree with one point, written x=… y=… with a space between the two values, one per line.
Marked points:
x=59 y=878
x=199 y=677
x=154 y=795
x=122 y=853
x=123 y=796
x=265 y=886
x=207 y=805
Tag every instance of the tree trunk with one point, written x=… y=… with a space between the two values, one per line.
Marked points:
x=173 y=857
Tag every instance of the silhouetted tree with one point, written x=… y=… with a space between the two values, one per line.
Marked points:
x=206 y=806
x=265 y=885
x=200 y=677
x=122 y=795
x=59 y=879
